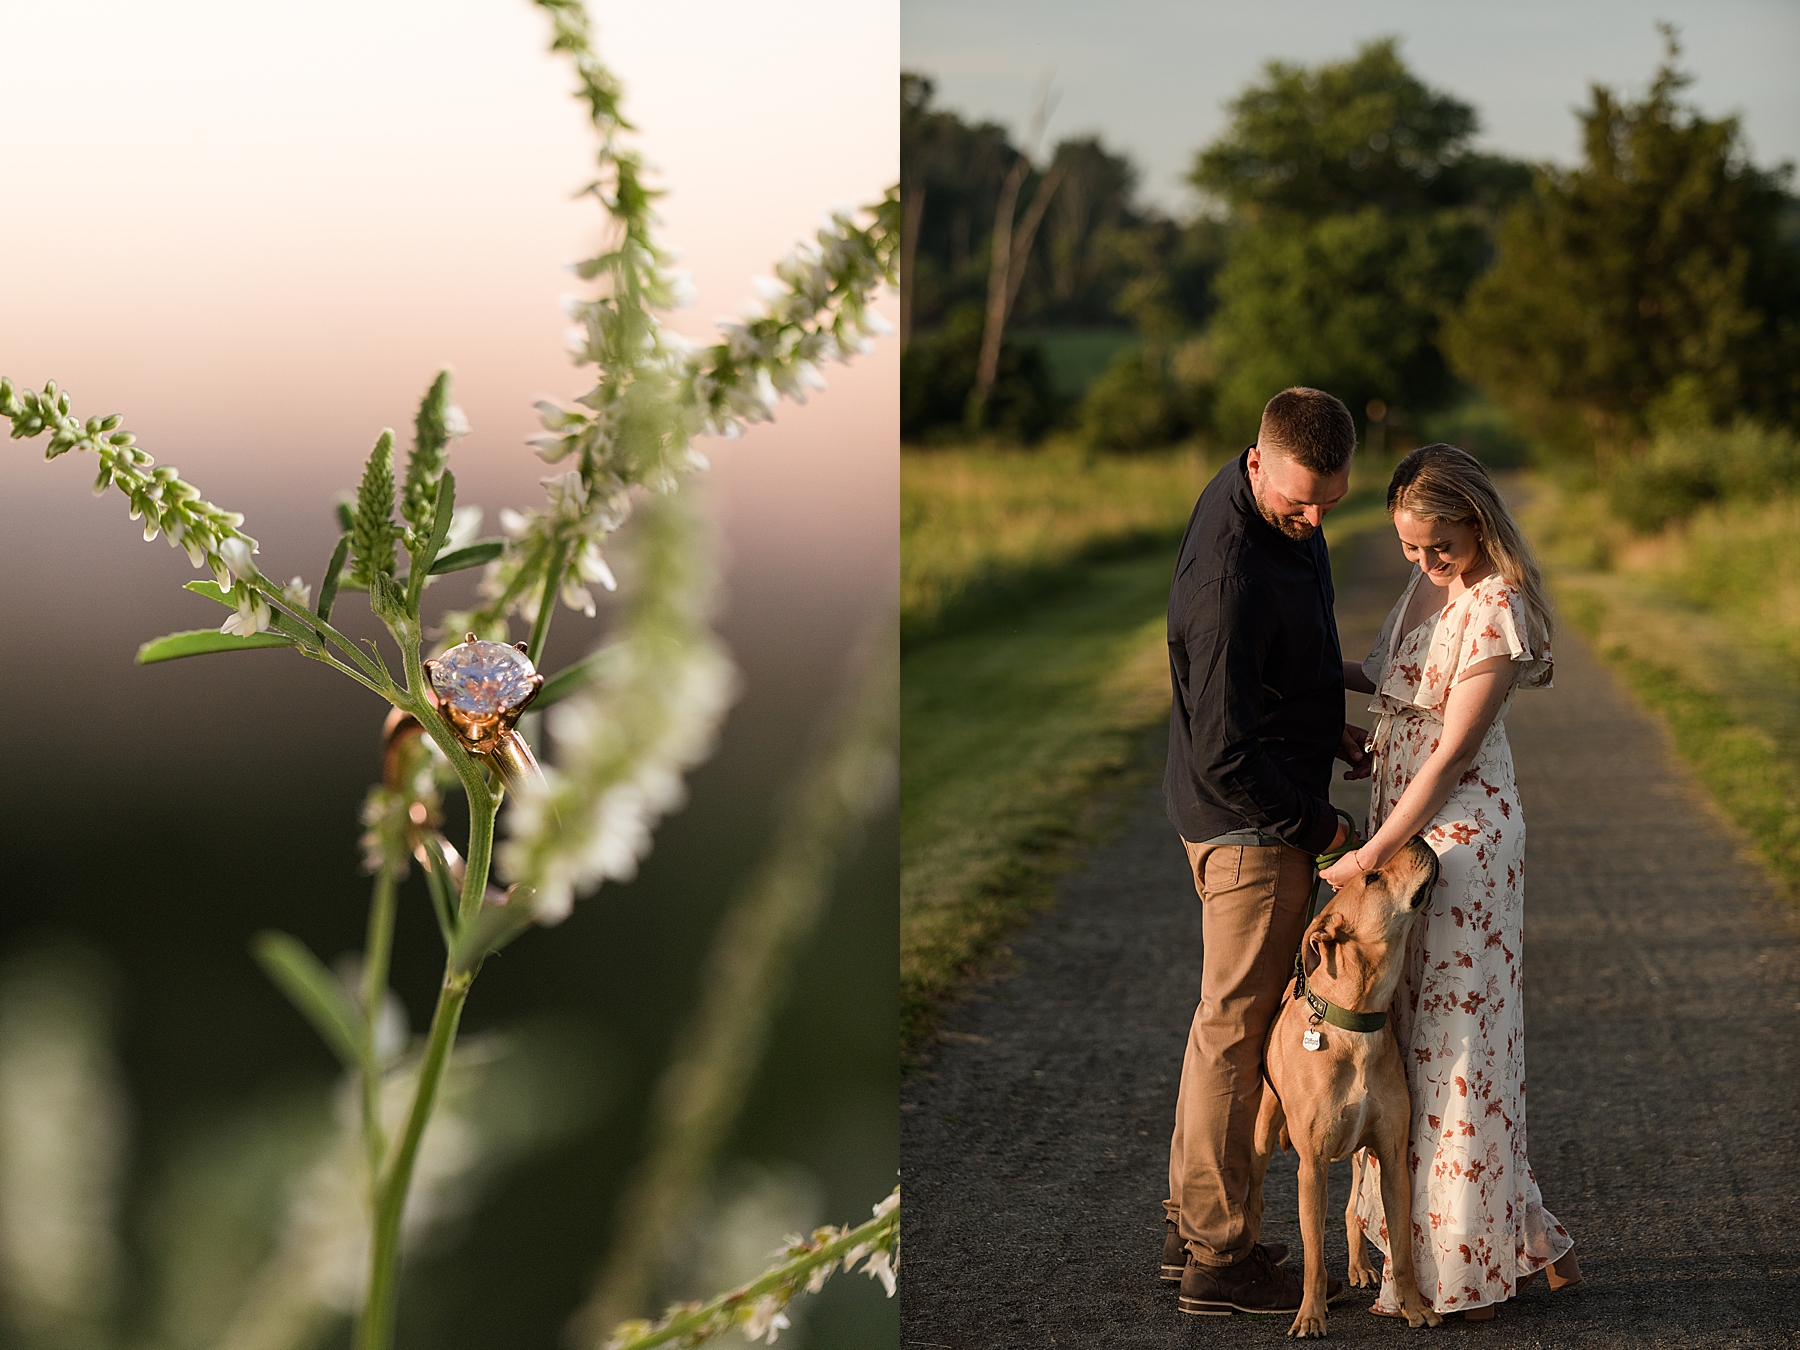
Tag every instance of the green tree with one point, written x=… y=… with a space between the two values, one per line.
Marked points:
x=1349 y=303
x=1362 y=217
x=1338 y=137
x=1651 y=284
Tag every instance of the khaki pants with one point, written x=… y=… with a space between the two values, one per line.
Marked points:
x=1253 y=903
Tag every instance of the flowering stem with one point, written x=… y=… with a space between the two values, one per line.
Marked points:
x=540 y=626
x=696 y=1323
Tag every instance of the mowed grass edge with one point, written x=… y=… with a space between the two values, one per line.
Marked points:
x=1712 y=721
x=1004 y=735
x=1721 y=678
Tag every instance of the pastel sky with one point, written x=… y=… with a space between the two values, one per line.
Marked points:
x=1152 y=76
x=256 y=231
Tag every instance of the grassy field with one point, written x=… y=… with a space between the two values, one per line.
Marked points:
x=1703 y=623
x=984 y=531
x=1034 y=589
x=1075 y=357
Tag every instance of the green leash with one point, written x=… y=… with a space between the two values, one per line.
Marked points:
x=1323 y=1010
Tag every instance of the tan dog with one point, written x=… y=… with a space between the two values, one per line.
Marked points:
x=1349 y=1093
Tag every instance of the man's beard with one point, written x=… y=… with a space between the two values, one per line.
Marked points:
x=1297 y=528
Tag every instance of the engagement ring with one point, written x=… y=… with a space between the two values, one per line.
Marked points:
x=481 y=688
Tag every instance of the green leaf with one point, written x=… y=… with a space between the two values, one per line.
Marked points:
x=491 y=928
x=442 y=885
x=571 y=678
x=202 y=642
x=315 y=991
x=444 y=511
x=210 y=589
x=334 y=573
x=470 y=555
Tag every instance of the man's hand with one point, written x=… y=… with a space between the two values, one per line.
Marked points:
x=1350 y=750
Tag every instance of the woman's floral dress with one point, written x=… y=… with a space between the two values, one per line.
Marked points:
x=1478 y=1222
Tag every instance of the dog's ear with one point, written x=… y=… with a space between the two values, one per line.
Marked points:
x=1320 y=947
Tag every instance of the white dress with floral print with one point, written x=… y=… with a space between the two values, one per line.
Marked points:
x=1478 y=1222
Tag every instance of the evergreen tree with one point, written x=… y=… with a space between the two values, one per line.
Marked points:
x=1651 y=284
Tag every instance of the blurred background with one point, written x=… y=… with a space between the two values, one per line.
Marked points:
x=257 y=234
x=1563 y=236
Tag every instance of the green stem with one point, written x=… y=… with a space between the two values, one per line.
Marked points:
x=325 y=632
x=540 y=627
x=376 y=952
x=375 y=1329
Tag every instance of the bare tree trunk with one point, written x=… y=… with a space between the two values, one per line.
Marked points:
x=912 y=213
x=1002 y=248
x=999 y=276
x=1028 y=228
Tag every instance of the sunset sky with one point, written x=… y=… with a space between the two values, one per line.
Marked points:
x=257 y=231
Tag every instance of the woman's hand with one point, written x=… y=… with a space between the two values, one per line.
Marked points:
x=1345 y=870
x=1469 y=712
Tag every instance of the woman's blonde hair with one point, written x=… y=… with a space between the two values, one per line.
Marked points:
x=1445 y=484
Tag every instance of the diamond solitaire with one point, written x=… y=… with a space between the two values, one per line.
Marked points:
x=481 y=688
x=484 y=679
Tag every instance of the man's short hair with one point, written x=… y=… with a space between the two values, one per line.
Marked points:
x=1310 y=427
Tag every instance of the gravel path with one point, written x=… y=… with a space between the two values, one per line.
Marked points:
x=1662 y=983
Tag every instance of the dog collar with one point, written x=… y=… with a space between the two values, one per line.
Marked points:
x=1341 y=1017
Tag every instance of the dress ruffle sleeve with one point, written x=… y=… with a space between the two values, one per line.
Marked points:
x=1487 y=622
x=1495 y=625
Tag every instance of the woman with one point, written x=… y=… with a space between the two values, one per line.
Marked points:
x=1472 y=625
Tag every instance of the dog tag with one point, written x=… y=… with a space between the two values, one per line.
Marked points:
x=1312 y=1040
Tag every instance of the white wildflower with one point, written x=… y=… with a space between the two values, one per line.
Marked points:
x=820 y=1274
x=880 y=1265
x=568 y=494
x=252 y=615
x=591 y=566
x=767 y=1316
x=578 y=597
x=234 y=551
x=297 y=593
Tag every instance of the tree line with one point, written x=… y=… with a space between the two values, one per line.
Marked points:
x=1354 y=239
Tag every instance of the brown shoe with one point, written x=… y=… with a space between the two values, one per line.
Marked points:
x=1174 y=1253
x=1252 y=1284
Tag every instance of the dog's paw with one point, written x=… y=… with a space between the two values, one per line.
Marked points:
x=1421 y=1315
x=1360 y=1273
x=1308 y=1325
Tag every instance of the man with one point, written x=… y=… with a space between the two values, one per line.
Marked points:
x=1258 y=716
